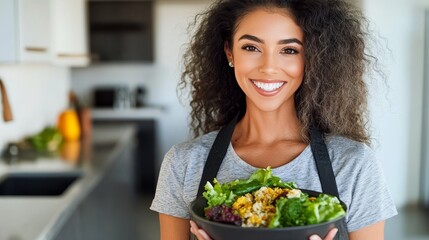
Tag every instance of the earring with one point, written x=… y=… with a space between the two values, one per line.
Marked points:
x=231 y=64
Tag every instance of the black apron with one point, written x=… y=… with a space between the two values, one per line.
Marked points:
x=318 y=148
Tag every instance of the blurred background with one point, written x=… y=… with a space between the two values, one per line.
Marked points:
x=89 y=103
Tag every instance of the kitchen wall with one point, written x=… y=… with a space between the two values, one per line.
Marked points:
x=159 y=77
x=37 y=94
x=396 y=101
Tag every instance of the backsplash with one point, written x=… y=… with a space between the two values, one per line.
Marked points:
x=37 y=94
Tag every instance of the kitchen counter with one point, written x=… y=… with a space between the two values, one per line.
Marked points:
x=147 y=120
x=150 y=113
x=40 y=217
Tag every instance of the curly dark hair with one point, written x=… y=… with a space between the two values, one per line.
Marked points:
x=333 y=94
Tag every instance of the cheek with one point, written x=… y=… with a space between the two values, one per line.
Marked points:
x=296 y=69
x=243 y=67
x=244 y=63
x=241 y=76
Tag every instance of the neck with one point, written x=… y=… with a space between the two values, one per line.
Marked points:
x=268 y=127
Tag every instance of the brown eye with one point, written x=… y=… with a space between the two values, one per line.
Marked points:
x=289 y=51
x=250 y=48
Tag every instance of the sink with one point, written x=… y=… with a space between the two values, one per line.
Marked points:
x=37 y=184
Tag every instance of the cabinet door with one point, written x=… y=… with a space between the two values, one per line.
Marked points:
x=34 y=30
x=8 y=31
x=69 y=35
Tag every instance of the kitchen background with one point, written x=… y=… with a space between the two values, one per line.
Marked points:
x=38 y=86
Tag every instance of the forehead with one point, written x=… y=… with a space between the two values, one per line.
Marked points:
x=268 y=23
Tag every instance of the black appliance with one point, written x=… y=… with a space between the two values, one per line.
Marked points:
x=121 y=30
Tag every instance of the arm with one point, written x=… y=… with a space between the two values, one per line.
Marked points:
x=173 y=228
x=371 y=232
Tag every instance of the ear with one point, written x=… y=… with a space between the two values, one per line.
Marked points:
x=228 y=51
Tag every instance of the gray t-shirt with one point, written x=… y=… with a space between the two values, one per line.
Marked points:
x=359 y=177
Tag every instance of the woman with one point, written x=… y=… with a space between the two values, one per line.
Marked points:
x=287 y=69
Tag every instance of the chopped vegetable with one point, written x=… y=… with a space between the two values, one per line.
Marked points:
x=223 y=214
x=264 y=200
x=218 y=194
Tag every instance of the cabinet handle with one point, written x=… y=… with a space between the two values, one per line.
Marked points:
x=7 y=111
x=71 y=55
x=35 y=49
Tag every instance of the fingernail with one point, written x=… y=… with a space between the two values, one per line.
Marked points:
x=314 y=237
x=335 y=231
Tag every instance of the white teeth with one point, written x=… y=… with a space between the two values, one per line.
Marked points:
x=268 y=86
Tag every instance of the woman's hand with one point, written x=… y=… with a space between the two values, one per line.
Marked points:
x=198 y=232
x=202 y=235
x=330 y=236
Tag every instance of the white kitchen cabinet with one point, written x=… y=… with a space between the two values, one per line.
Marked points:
x=34 y=30
x=8 y=31
x=69 y=32
x=25 y=31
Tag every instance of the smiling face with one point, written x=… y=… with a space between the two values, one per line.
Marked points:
x=268 y=58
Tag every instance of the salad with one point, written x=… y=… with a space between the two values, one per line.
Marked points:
x=264 y=200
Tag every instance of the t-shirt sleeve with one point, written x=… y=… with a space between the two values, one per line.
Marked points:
x=371 y=201
x=169 y=191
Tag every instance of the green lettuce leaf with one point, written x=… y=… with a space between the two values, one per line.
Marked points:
x=218 y=194
x=302 y=211
x=226 y=193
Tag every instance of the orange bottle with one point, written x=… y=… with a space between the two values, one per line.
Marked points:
x=70 y=151
x=69 y=126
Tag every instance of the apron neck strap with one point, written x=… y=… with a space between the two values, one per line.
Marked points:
x=323 y=162
x=217 y=153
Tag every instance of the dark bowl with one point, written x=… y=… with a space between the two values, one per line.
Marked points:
x=221 y=231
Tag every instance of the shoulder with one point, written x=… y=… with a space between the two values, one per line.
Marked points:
x=189 y=156
x=346 y=145
x=344 y=150
x=351 y=160
x=202 y=142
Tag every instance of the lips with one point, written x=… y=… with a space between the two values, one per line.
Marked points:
x=268 y=88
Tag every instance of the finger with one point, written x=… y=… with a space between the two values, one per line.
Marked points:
x=314 y=237
x=199 y=233
x=193 y=224
x=331 y=234
x=204 y=234
x=194 y=228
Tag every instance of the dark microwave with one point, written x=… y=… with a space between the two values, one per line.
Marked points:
x=121 y=31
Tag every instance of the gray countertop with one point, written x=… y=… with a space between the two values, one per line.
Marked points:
x=37 y=217
x=145 y=113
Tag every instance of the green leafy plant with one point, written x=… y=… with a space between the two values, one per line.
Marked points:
x=47 y=141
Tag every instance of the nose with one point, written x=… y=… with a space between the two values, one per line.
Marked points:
x=268 y=64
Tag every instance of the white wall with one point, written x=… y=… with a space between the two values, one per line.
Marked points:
x=160 y=78
x=396 y=105
x=37 y=94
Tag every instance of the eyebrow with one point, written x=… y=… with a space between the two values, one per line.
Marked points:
x=283 y=41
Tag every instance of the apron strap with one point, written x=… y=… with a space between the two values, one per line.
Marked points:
x=326 y=174
x=323 y=163
x=216 y=154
